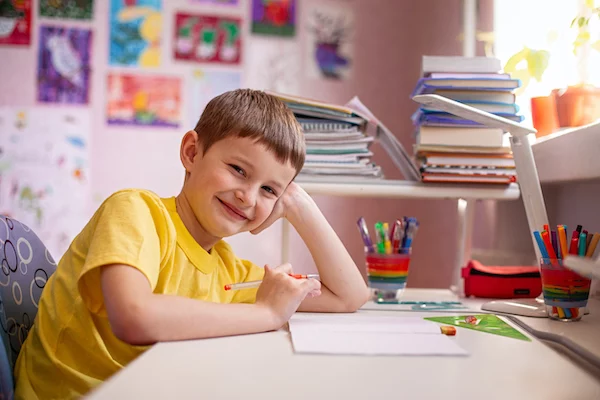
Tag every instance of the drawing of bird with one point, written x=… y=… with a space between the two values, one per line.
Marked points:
x=65 y=59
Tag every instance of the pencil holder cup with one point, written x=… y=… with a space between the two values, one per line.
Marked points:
x=565 y=292
x=387 y=274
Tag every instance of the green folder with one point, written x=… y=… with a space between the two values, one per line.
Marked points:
x=488 y=323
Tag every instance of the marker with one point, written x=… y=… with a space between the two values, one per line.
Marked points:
x=540 y=243
x=364 y=233
x=253 y=284
x=380 y=235
x=592 y=247
x=555 y=243
x=397 y=236
x=387 y=244
x=582 y=244
x=574 y=243
x=549 y=248
x=411 y=230
x=562 y=239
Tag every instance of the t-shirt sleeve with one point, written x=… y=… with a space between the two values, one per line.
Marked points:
x=249 y=272
x=128 y=230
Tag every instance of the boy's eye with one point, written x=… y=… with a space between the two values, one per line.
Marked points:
x=269 y=190
x=237 y=169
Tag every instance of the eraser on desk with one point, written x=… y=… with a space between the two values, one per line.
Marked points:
x=501 y=282
x=448 y=330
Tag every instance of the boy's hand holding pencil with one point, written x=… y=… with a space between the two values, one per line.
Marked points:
x=282 y=294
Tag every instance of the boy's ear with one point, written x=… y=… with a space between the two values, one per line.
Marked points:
x=189 y=149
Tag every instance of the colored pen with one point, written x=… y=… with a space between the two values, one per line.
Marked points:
x=589 y=239
x=562 y=239
x=582 y=244
x=253 y=284
x=411 y=230
x=540 y=243
x=397 y=236
x=380 y=237
x=549 y=248
x=578 y=229
x=555 y=243
x=387 y=244
x=593 y=244
x=364 y=233
x=574 y=243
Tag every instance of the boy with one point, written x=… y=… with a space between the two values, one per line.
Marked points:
x=146 y=269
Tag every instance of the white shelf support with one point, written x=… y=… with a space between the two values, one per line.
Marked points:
x=466 y=223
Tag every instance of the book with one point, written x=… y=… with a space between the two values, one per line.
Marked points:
x=496 y=96
x=470 y=171
x=504 y=150
x=467 y=160
x=429 y=85
x=346 y=157
x=491 y=107
x=451 y=136
x=465 y=75
x=447 y=119
x=460 y=64
x=456 y=178
x=325 y=125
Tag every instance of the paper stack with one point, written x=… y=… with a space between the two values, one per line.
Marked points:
x=337 y=145
x=451 y=149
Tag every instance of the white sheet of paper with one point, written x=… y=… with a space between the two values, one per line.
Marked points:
x=361 y=334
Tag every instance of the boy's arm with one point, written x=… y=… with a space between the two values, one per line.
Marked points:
x=139 y=317
x=343 y=287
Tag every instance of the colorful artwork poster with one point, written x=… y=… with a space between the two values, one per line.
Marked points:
x=207 y=84
x=15 y=22
x=45 y=172
x=330 y=44
x=67 y=9
x=218 y=2
x=63 y=74
x=143 y=100
x=135 y=32
x=207 y=39
x=274 y=17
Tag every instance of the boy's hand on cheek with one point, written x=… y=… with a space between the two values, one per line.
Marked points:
x=290 y=205
x=282 y=294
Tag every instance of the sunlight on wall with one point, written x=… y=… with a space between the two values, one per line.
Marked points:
x=542 y=25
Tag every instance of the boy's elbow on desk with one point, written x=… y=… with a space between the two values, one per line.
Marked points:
x=130 y=327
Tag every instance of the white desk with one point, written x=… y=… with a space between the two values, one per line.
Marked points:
x=264 y=366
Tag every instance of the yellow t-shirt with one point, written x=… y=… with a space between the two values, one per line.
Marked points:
x=71 y=347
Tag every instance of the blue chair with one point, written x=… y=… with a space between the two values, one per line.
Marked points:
x=26 y=265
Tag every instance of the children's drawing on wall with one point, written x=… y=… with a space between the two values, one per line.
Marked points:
x=330 y=44
x=218 y=2
x=63 y=74
x=274 y=17
x=206 y=84
x=208 y=39
x=273 y=66
x=135 y=32
x=53 y=144
x=15 y=22
x=143 y=100
x=69 y=9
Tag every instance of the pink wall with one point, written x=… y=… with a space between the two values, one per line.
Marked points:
x=390 y=38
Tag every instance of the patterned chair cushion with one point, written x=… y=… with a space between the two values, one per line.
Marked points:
x=26 y=266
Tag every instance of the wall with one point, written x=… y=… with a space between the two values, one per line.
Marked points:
x=390 y=38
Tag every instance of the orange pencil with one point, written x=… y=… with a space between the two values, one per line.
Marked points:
x=592 y=247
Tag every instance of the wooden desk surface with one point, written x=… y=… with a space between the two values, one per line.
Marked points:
x=264 y=366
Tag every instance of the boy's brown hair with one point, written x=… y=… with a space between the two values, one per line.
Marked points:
x=256 y=115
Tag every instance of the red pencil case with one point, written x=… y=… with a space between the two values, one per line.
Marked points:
x=501 y=282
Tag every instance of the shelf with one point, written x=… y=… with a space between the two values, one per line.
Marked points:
x=410 y=189
x=569 y=155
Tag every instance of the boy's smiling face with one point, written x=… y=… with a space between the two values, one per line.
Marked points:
x=231 y=188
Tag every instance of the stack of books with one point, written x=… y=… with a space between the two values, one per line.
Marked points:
x=451 y=149
x=337 y=146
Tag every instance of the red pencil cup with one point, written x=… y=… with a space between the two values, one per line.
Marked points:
x=565 y=292
x=387 y=274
